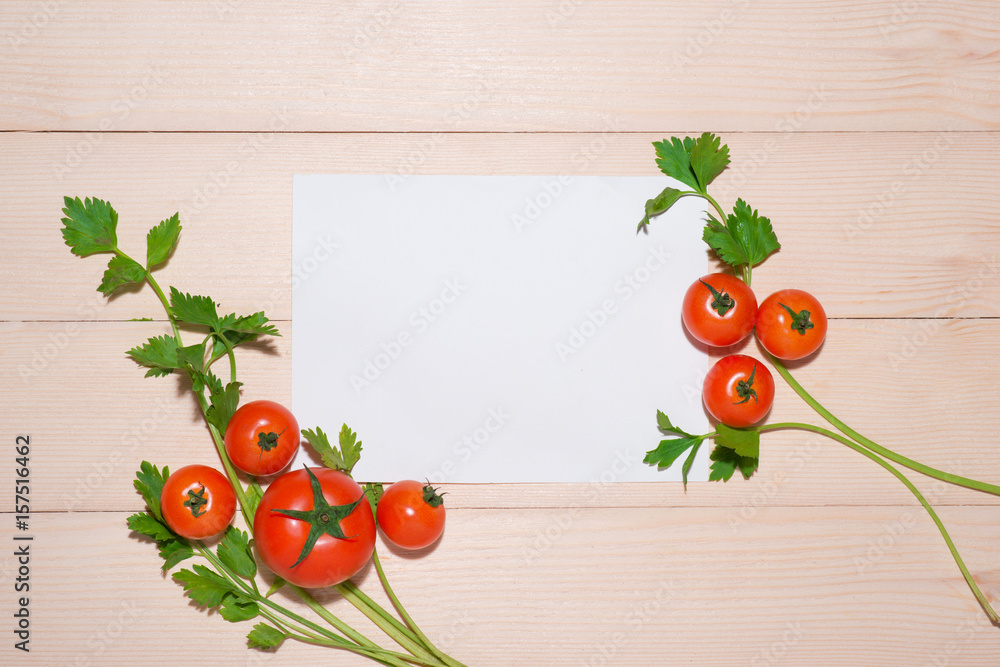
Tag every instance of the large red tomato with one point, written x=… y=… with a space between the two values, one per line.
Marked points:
x=719 y=309
x=197 y=502
x=262 y=437
x=738 y=390
x=314 y=527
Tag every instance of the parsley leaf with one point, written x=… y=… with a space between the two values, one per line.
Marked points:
x=343 y=458
x=745 y=442
x=173 y=552
x=237 y=608
x=223 y=405
x=193 y=309
x=148 y=525
x=661 y=203
x=159 y=354
x=673 y=157
x=234 y=552
x=726 y=461
x=90 y=226
x=374 y=493
x=253 y=495
x=670 y=450
x=265 y=636
x=744 y=240
x=708 y=160
x=121 y=271
x=149 y=481
x=161 y=241
x=205 y=587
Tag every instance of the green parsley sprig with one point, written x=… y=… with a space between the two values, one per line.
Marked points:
x=742 y=239
x=227 y=584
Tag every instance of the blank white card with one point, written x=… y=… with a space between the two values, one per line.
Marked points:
x=495 y=328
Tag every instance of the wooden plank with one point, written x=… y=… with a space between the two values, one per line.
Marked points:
x=915 y=386
x=883 y=225
x=536 y=65
x=836 y=586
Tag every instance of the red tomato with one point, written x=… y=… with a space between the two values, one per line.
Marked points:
x=411 y=514
x=262 y=437
x=321 y=506
x=738 y=390
x=791 y=324
x=719 y=309
x=197 y=502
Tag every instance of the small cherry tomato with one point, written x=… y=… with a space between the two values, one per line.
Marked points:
x=197 y=502
x=738 y=390
x=719 y=309
x=411 y=514
x=791 y=324
x=262 y=437
x=314 y=527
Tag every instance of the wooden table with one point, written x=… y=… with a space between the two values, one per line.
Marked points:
x=867 y=131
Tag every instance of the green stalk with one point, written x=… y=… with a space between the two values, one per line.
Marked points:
x=874 y=446
x=399 y=633
x=450 y=662
x=983 y=602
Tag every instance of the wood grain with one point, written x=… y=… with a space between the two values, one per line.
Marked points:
x=540 y=65
x=634 y=586
x=877 y=225
x=866 y=131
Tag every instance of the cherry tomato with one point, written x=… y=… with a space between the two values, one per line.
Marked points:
x=314 y=527
x=197 y=502
x=738 y=390
x=262 y=437
x=719 y=309
x=791 y=324
x=411 y=514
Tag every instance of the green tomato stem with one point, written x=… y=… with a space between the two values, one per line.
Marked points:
x=398 y=632
x=421 y=637
x=983 y=602
x=874 y=446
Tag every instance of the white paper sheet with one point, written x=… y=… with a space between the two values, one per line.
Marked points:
x=495 y=328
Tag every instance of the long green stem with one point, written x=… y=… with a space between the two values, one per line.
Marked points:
x=406 y=616
x=983 y=602
x=874 y=446
x=399 y=633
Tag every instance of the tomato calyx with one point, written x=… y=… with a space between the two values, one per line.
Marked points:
x=196 y=501
x=722 y=302
x=267 y=441
x=800 y=320
x=432 y=497
x=323 y=518
x=745 y=390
